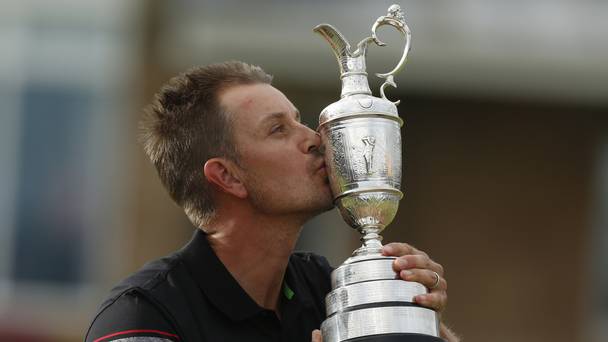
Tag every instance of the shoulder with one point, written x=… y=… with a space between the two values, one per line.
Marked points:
x=152 y=274
x=128 y=313
x=131 y=316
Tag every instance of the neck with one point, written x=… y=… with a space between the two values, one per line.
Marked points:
x=256 y=251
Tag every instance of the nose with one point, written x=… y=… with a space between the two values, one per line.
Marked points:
x=312 y=142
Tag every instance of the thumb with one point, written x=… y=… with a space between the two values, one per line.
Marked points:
x=316 y=336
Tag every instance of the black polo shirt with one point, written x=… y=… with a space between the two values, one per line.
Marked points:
x=190 y=296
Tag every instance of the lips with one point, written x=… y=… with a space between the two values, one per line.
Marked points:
x=321 y=166
x=322 y=171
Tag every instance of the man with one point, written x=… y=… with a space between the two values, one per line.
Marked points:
x=231 y=150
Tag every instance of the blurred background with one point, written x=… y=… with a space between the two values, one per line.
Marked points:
x=506 y=148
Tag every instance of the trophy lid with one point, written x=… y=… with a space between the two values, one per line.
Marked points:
x=359 y=105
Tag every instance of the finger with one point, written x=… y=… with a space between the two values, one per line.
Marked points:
x=426 y=278
x=397 y=249
x=417 y=261
x=435 y=300
x=316 y=336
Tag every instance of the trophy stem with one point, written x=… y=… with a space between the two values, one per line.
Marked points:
x=371 y=239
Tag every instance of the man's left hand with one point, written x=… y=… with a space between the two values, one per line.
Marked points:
x=415 y=265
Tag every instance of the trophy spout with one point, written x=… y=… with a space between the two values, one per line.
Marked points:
x=352 y=64
x=339 y=45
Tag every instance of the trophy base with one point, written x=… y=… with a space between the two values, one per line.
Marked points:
x=369 y=302
x=397 y=338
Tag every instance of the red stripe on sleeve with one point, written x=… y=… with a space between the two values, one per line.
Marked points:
x=135 y=331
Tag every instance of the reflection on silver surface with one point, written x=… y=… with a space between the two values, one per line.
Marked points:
x=369 y=292
x=378 y=268
x=382 y=320
x=363 y=155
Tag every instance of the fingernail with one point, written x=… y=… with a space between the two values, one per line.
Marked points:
x=387 y=249
x=401 y=263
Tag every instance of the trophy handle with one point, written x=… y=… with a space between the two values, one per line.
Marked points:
x=396 y=19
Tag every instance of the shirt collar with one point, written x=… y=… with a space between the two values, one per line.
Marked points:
x=212 y=277
x=294 y=280
x=224 y=292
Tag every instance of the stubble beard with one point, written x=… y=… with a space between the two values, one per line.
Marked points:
x=277 y=200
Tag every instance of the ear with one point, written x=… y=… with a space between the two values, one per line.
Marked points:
x=222 y=173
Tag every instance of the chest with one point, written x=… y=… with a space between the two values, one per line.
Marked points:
x=296 y=324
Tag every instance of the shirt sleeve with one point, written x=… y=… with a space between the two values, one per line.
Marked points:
x=131 y=318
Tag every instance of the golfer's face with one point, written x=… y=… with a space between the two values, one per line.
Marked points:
x=283 y=169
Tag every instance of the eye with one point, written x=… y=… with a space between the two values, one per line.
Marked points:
x=278 y=128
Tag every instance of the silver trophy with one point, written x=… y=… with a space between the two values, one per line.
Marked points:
x=362 y=139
